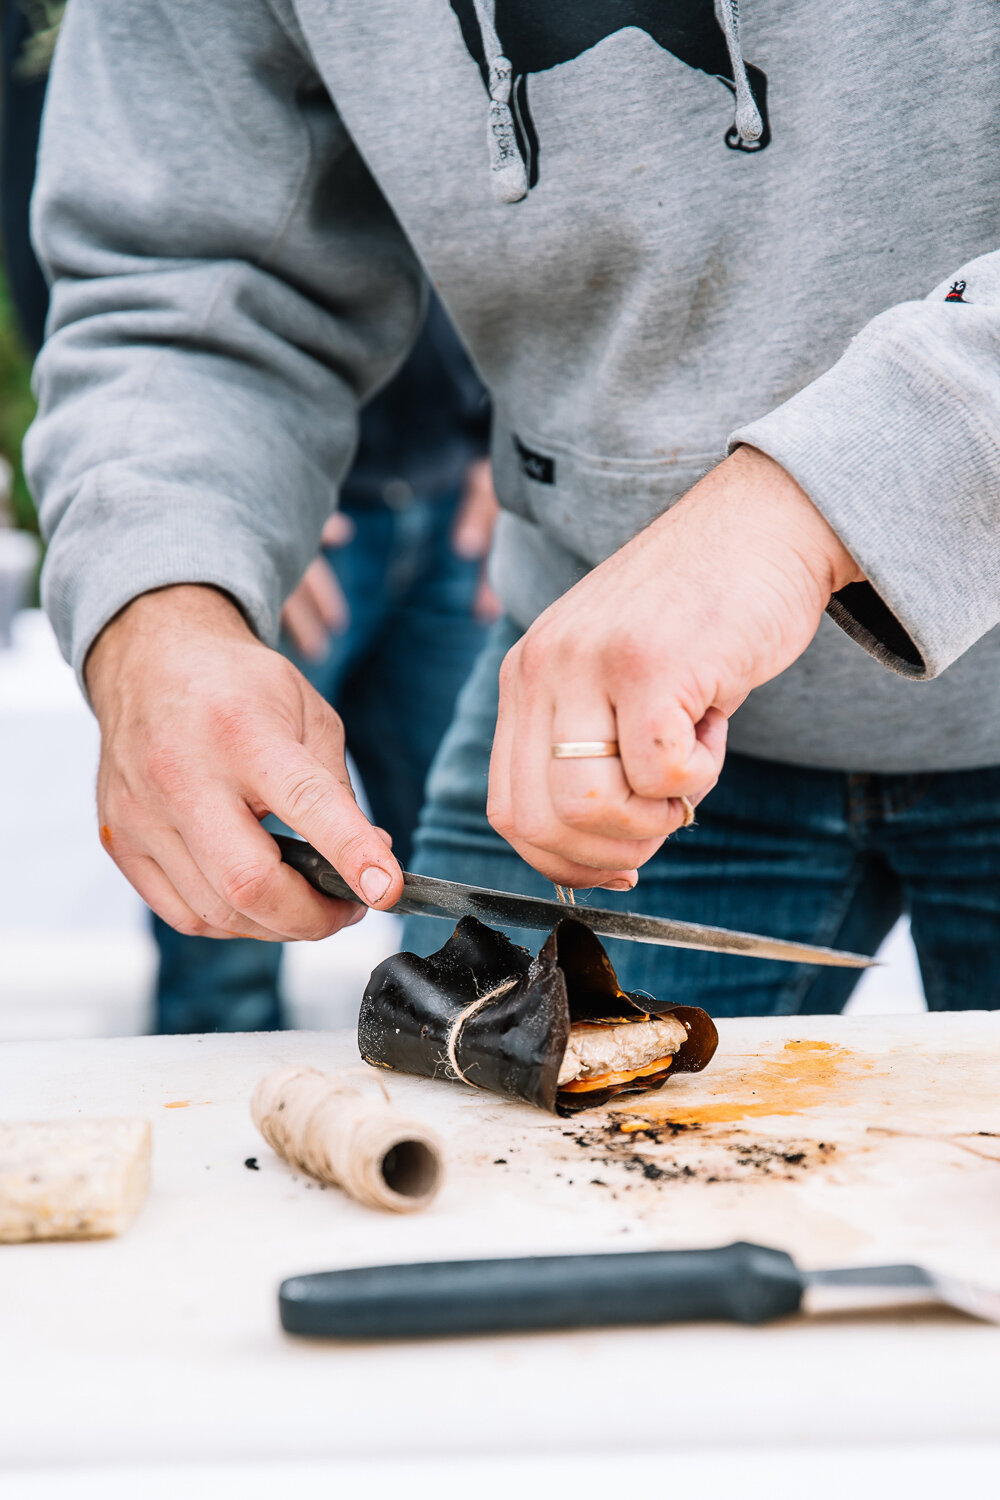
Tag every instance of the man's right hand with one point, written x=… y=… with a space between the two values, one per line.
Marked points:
x=204 y=731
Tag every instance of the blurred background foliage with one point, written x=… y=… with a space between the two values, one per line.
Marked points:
x=17 y=406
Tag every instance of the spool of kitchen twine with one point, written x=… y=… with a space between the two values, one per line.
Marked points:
x=345 y=1131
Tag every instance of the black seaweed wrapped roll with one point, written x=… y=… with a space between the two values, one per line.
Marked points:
x=557 y=1031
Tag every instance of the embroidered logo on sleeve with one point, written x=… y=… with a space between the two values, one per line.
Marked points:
x=957 y=292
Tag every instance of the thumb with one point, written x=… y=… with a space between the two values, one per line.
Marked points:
x=322 y=809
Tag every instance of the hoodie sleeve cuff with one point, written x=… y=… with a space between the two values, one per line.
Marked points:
x=166 y=542
x=909 y=478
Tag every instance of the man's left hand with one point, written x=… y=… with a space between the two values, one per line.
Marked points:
x=654 y=650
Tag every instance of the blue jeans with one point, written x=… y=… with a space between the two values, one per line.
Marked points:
x=393 y=676
x=814 y=856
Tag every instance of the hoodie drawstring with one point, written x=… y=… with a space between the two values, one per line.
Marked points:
x=749 y=124
x=507 y=170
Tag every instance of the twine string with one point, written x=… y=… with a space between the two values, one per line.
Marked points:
x=473 y=1009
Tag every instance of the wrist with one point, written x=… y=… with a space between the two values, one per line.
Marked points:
x=787 y=514
x=138 y=630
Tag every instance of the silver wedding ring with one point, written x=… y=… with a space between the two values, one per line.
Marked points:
x=584 y=749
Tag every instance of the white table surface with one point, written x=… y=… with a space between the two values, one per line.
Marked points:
x=163 y=1347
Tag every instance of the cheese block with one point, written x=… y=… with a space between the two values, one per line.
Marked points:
x=71 y=1179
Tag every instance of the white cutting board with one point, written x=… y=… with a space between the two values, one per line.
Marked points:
x=165 y=1342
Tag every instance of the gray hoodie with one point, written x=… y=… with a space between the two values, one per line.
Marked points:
x=662 y=228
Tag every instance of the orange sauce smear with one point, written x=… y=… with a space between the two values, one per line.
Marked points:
x=803 y=1075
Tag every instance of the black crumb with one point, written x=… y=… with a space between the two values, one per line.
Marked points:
x=251 y=1164
x=501 y=1161
x=597 y=1182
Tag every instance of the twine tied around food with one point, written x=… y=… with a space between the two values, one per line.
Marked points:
x=473 y=1009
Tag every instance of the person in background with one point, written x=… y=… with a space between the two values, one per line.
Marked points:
x=387 y=620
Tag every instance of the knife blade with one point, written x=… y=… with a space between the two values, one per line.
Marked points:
x=739 y=1283
x=424 y=895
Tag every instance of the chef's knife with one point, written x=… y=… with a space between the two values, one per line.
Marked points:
x=738 y=1284
x=425 y=896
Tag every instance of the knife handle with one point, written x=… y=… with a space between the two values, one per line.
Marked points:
x=738 y=1283
x=309 y=863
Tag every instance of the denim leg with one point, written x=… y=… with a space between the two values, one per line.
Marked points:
x=941 y=832
x=399 y=699
x=211 y=984
x=772 y=851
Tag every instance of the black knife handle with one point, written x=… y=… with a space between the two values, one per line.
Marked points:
x=309 y=863
x=738 y=1283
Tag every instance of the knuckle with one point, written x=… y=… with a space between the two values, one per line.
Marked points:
x=536 y=651
x=245 y=887
x=314 y=932
x=498 y=812
x=165 y=767
x=650 y=782
x=189 y=926
x=228 y=722
x=304 y=797
x=579 y=812
x=352 y=851
x=222 y=916
x=538 y=832
x=509 y=669
x=629 y=652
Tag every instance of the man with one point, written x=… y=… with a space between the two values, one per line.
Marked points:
x=648 y=268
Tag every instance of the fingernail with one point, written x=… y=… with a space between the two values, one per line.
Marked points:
x=374 y=883
x=618 y=885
